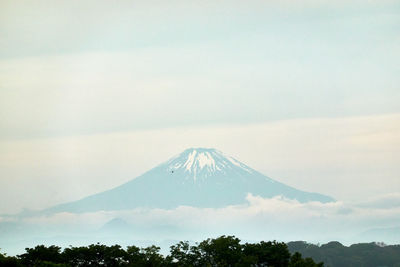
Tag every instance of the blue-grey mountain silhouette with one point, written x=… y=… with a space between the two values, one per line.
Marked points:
x=197 y=177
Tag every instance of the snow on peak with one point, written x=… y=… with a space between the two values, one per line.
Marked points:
x=190 y=160
x=198 y=159
x=205 y=161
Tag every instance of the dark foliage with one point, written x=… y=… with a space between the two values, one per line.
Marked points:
x=219 y=252
x=334 y=254
x=40 y=254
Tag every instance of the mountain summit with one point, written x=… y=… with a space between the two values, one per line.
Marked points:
x=197 y=177
x=199 y=164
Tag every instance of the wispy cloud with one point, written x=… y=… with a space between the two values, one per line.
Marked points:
x=105 y=67
x=258 y=218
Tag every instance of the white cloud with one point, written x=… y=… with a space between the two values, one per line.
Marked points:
x=275 y=218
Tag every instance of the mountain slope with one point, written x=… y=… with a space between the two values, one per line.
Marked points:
x=197 y=177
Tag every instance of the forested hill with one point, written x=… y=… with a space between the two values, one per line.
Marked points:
x=334 y=254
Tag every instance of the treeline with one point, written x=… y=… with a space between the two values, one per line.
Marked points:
x=222 y=251
x=334 y=254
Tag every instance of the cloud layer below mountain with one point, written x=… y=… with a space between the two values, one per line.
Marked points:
x=258 y=218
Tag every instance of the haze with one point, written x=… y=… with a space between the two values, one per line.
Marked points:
x=94 y=93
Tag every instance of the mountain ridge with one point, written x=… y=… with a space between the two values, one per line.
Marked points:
x=199 y=177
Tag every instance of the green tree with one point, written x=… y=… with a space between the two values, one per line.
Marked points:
x=297 y=261
x=267 y=253
x=39 y=254
x=222 y=251
x=152 y=257
x=182 y=254
x=95 y=255
x=8 y=261
x=133 y=257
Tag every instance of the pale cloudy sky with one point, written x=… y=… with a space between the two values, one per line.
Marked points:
x=94 y=93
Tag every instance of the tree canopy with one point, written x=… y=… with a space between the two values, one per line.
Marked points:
x=224 y=251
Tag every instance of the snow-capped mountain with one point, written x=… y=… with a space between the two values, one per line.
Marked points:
x=197 y=177
x=200 y=164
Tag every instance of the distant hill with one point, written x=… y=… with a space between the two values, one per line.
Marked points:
x=334 y=254
x=389 y=234
x=197 y=177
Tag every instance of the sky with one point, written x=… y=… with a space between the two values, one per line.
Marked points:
x=94 y=93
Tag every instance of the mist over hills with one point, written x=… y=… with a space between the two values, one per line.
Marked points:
x=197 y=177
x=197 y=194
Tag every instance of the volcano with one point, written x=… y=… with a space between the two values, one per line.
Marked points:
x=197 y=177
